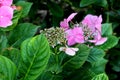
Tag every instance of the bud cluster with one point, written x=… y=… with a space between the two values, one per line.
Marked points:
x=54 y=35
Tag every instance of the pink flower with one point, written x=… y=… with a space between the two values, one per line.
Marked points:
x=6 y=2
x=64 y=24
x=69 y=51
x=93 y=22
x=6 y=14
x=98 y=40
x=74 y=36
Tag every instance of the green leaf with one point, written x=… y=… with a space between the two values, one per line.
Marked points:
x=99 y=66
x=55 y=9
x=7 y=69
x=111 y=42
x=22 y=32
x=115 y=59
x=54 y=63
x=107 y=29
x=25 y=7
x=35 y=53
x=13 y=54
x=102 y=3
x=87 y=71
x=50 y=76
x=102 y=76
x=79 y=59
x=83 y=73
x=3 y=43
x=84 y=3
x=95 y=55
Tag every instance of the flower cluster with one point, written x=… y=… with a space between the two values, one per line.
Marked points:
x=57 y=36
x=6 y=13
x=87 y=31
x=54 y=35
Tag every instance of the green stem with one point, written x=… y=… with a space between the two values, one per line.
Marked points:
x=56 y=57
x=107 y=21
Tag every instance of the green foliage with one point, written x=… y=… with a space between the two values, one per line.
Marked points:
x=99 y=66
x=79 y=59
x=55 y=9
x=22 y=32
x=50 y=76
x=102 y=76
x=115 y=59
x=102 y=3
x=7 y=69
x=84 y=3
x=32 y=61
x=34 y=57
x=3 y=43
x=107 y=29
x=111 y=42
x=55 y=62
x=25 y=8
x=95 y=55
x=13 y=54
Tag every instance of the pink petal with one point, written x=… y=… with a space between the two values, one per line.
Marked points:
x=75 y=49
x=74 y=36
x=71 y=41
x=71 y=51
x=6 y=14
x=93 y=22
x=86 y=20
x=71 y=17
x=6 y=2
x=79 y=39
x=92 y=41
x=98 y=23
x=6 y=11
x=101 y=41
x=77 y=30
x=98 y=35
x=100 y=18
x=64 y=24
x=4 y=22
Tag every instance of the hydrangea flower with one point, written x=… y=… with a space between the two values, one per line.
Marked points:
x=98 y=40
x=65 y=24
x=75 y=35
x=93 y=22
x=5 y=2
x=6 y=14
x=68 y=50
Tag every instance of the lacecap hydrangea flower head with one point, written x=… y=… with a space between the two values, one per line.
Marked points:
x=89 y=30
x=86 y=31
x=6 y=13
